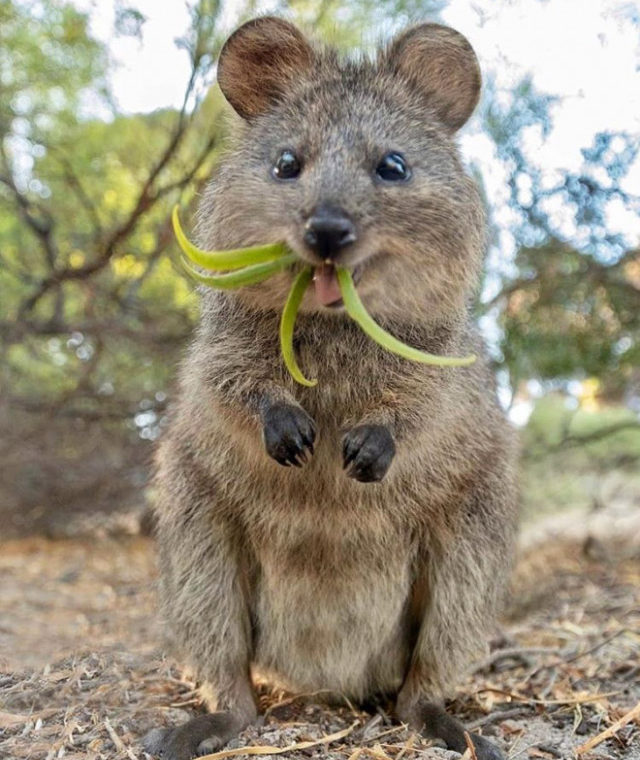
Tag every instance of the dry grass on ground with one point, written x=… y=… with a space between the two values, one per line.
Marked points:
x=82 y=677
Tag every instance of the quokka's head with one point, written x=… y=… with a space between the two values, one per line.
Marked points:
x=352 y=164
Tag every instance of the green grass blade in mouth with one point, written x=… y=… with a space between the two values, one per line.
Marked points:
x=246 y=276
x=255 y=264
x=359 y=314
x=287 y=323
x=232 y=259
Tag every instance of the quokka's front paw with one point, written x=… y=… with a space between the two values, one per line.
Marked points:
x=367 y=452
x=288 y=434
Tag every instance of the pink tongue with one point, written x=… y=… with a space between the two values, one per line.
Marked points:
x=326 y=285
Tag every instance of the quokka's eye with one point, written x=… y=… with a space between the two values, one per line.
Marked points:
x=287 y=165
x=393 y=167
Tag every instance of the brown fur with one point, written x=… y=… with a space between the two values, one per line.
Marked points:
x=328 y=582
x=257 y=63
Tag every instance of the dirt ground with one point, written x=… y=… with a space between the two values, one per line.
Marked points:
x=82 y=675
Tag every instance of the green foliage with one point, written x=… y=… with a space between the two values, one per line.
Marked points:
x=84 y=209
x=572 y=455
x=48 y=65
x=93 y=175
x=556 y=422
x=568 y=315
x=571 y=308
x=93 y=310
x=129 y=22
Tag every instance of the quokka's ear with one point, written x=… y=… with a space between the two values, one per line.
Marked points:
x=259 y=61
x=440 y=63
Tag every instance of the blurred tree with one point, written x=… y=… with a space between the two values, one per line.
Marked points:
x=570 y=307
x=92 y=309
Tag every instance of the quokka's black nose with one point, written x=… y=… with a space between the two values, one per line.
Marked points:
x=328 y=230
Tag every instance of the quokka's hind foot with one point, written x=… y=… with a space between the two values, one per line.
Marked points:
x=433 y=722
x=197 y=737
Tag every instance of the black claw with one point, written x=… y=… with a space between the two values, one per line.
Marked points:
x=294 y=450
x=368 y=451
x=288 y=433
x=348 y=458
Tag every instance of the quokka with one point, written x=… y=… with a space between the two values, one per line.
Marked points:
x=356 y=536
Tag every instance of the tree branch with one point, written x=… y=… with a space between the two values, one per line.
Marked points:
x=571 y=441
x=146 y=200
x=76 y=184
x=14 y=333
x=42 y=228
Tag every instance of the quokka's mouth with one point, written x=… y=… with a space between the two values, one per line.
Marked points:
x=325 y=285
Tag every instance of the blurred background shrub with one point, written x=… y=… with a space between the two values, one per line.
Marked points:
x=94 y=314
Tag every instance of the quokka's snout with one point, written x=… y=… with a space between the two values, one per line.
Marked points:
x=328 y=231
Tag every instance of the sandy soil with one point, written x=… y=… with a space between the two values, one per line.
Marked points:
x=83 y=676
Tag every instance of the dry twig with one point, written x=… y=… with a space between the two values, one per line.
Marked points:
x=576 y=701
x=498 y=715
x=269 y=750
x=516 y=653
x=470 y=748
x=119 y=744
x=609 y=732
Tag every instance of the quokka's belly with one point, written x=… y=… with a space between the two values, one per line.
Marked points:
x=331 y=612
